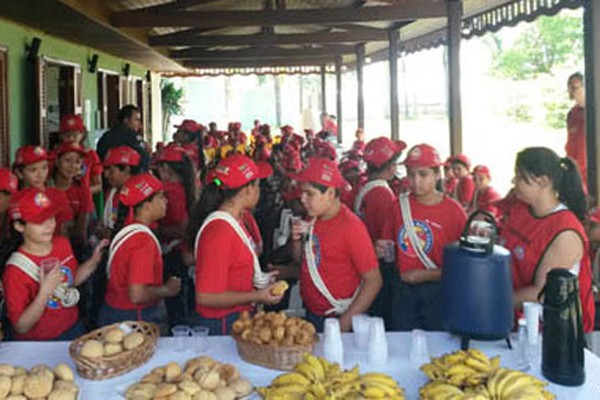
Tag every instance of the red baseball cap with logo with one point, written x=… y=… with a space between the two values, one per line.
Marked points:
x=8 y=181
x=188 y=125
x=321 y=171
x=423 y=156
x=30 y=154
x=326 y=150
x=32 y=205
x=138 y=188
x=171 y=153
x=69 y=147
x=382 y=150
x=462 y=159
x=72 y=123
x=236 y=171
x=482 y=170
x=349 y=165
x=122 y=155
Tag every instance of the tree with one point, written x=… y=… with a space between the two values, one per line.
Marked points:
x=544 y=44
x=171 y=103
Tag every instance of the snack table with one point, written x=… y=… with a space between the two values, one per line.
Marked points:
x=222 y=348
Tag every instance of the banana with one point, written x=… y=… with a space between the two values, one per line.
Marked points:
x=319 y=371
x=307 y=370
x=378 y=378
x=290 y=379
x=479 y=364
x=518 y=382
x=495 y=363
x=290 y=390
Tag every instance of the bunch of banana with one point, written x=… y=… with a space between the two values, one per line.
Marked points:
x=316 y=378
x=462 y=368
x=507 y=384
x=437 y=390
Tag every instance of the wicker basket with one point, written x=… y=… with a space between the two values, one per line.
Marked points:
x=274 y=357
x=118 y=364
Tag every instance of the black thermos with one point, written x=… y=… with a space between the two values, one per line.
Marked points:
x=563 y=341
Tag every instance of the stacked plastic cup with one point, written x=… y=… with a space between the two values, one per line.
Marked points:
x=181 y=333
x=378 y=346
x=419 y=354
x=333 y=348
x=360 y=327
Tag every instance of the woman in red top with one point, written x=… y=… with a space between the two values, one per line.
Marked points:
x=227 y=268
x=485 y=197
x=340 y=275
x=437 y=220
x=465 y=187
x=41 y=275
x=135 y=266
x=72 y=130
x=543 y=231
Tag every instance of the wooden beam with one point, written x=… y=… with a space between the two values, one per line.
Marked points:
x=360 y=98
x=455 y=11
x=281 y=62
x=409 y=9
x=195 y=53
x=393 y=63
x=196 y=40
x=323 y=90
x=176 y=5
x=178 y=38
x=338 y=94
x=591 y=28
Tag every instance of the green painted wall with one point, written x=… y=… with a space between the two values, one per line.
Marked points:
x=21 y=77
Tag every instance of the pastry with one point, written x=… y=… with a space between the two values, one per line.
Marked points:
x=172 y=371
x=64 y=372
x=5 y=385
x=209 y=380
x=133 y=340
x=65 y=385
x=165 y=389
x=92 y=349
x=18 y=382
x=17 y=397
x=225 y=393
x=205 y=395
x=190 y=387
x=61 y=394
x=7 y=370
x=140 y=391
x=180 y=395
x=110 y=349
x=242 y=387
x=114 y=335
x=37 y=385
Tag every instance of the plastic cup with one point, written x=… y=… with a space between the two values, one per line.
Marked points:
x=377 y=348
x=419 y=354
x=360 y=327
x=532 y=312
x=200 y=333
x=302 y=224
x=389 y=255
x=333 y=348
x=181 y=333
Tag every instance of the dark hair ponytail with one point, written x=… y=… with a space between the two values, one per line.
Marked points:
x=563 y=172
x=123 y=213
x=185 y=172
x=9 y=244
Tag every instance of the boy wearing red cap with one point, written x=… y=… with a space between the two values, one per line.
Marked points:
x=421 y=225
x=73 y=131
x=229 y=279
x=41 y=275
x=350 y=170
x=31 y=167
x=135 y=266
x=465 y=186
x=450 y=181
x=485 y=196
x=339 y=276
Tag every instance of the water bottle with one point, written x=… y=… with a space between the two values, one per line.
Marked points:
x=523 y=362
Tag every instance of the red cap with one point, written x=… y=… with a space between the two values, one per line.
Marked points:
x=381 y=150
x=236 y=125
x=188 y=125
x=8 y=181
x=32 y=205
x=236 y=171
x=68 y=147
x=138 y=188
x=287 y=129
x=173 y=153
x=264 y=169
x=463 y=159
x=349 y=165
x=30 y=154
x=122 y=155
x=323 y=172
x=482 y=170
x=72 y=123
x=326 y=150
x=423 y=156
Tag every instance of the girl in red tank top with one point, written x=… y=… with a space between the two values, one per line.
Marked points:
x=543 y=231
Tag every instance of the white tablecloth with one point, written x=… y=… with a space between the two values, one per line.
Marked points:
x=28 y=354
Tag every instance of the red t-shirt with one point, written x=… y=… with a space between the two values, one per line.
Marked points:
x=137 y=262
x=21 y=290
x=436 y=226
x=450 y=185
x=343 y=251
x=348 y=195
x=528 y=238
x=377 y=206
x=464 y=190
x=91 y=166
x=223 y=264
x=59 y=199
x=80 y=199
x=253 y=230
x=176 y=204
x=575 y=147
x=486 y=200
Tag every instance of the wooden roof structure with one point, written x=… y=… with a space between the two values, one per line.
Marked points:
x=289 y=36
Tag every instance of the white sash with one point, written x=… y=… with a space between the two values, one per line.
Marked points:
x=108 y=208
x=260 y=279
x=412 y=234
x=366 y=189
x=68 y=296
x=122 y=236
x=339 y=306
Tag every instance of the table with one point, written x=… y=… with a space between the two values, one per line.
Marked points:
x=222 y=348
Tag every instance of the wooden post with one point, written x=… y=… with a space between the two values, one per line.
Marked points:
x=360 y=62
x=591 y=29
x=455 y=11
x=393 y=60
x=277 y=100
x=338 y=94
x=323 y=90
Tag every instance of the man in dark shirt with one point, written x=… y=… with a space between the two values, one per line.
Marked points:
x=126 y=133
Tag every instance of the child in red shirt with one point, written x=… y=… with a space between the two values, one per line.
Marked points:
x=450 y=181
x=31 y=167
x=135 y=266
x=72 y=130
x=437 y=221
x=465 y=186
x=485 y=196
x=339 y=276
x=227 y=267
x=41 y=275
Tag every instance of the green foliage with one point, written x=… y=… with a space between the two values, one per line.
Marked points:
x=520 y=113
x=544 y=44
x=171 y=103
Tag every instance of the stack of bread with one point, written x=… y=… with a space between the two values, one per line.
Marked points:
x=40 y=382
